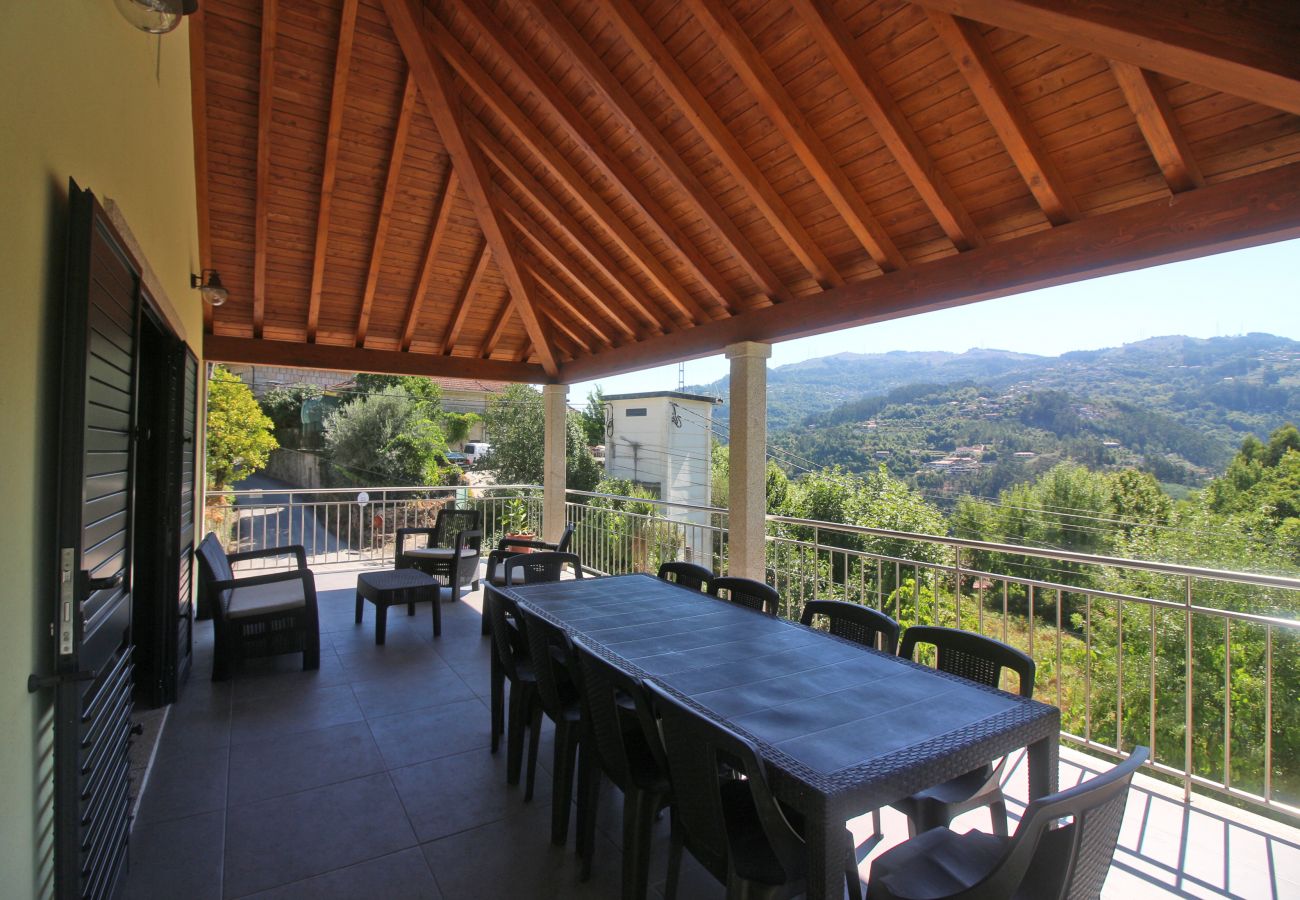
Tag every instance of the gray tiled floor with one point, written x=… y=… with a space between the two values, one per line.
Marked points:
x=371 y=778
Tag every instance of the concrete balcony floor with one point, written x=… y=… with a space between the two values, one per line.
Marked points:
x=372 y=778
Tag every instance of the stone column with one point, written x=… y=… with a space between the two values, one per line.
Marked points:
x=748 y=482
x=554 y=471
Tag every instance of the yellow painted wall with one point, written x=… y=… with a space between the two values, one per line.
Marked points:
x=78 y=98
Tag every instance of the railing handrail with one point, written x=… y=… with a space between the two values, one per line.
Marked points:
x=445 y=488
x=674 y=503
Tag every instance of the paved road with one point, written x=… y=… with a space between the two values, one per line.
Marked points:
x=266 y=520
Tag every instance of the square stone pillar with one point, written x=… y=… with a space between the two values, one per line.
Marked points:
x=748 y=453
x=554 y=469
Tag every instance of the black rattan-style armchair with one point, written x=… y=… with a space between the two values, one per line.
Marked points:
x=451 y=551
x=508 y=547
x=258 y=614
x=687 y=574
x=980 y=659
x=1040 y=861
x=747 y=592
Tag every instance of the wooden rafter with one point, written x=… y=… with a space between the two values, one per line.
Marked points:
x=199 y=118
x=1245 y=212
x=624 y=107
x=468 y=291
x=261 y=213
x=1159 y=126
x=869 y=90
x=562 y=313
x=565 y=296
x=434 y=79
x=497 y=329
x=580 y=130
x=968 y=49
x=1244 y=49
x=386 y=208
x=441 y=224
x=513 y=169
x=781 y=110
x=329 y=170
x=568 y=177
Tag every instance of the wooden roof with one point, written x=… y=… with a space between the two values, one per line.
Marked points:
x=558 y=189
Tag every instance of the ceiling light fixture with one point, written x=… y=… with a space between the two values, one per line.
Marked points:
x=209 y=285
x=156 y=16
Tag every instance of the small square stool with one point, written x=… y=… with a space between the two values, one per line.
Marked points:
x=393 y=588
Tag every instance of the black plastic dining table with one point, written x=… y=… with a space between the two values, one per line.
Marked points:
x=842 y=729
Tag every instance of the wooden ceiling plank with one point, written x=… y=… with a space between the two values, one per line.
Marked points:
x=872 y=95
x=468 y=291
x=1247 y=50
x=967 y=47
x=329 y=170
x=568 y=177
x=437 y=234
x=692 y=105
x=1244 y=212
x=780 y=109
x=513 y=169
x=261 y=209
x=564 y=296
x=606 y=162
x=1159 y=126
x=434 y=79
x=494 y=333
x=301 y=355
x=624 y=107
x=199 y=119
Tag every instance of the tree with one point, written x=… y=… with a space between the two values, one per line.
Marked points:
x=593 y=417
x=388 y=439
x=516 y=420
x=284 y=406
x=239 y=433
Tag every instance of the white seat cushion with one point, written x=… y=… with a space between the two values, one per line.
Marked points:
x=259 y=599
x=437 y=552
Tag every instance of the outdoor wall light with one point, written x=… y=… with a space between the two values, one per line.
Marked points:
x=209 y=285
x=156 y=16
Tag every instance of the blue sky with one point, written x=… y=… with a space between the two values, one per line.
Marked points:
x=1257 y=289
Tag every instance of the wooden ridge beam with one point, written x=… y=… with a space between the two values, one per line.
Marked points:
x=568 y=177
x=1159 y=126
x=468 y=291
x=441 y=224
x=514 y=170
x=1244 y=212
x=579 y=130
x=386 y=208
x=434 y=79
x=967 y=47
x=872 y=95
x=251 y=351
x=199 y=120
x=329 y=170
x=261 y=209
x=1247 y=50
x=563 y=295
x=626 y=110
x=695 y=108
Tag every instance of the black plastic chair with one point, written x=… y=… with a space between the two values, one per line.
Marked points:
x=747 y=592
x=451 y=552
x=621 y=739
x=508 y=547
x=980 y=659
x=687 y=575
x=856 y=622
x=724 y=812
x=1045 y=863
x=511 y=661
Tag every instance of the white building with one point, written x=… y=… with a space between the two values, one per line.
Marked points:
x=660 y=440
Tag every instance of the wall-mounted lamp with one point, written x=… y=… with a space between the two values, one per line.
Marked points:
x=209 y=285
x=156 y=16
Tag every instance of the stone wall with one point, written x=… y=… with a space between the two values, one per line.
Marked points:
x=295 y=467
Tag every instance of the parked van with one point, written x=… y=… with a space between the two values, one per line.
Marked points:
x=476 y=450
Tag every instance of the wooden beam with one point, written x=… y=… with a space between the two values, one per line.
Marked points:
x=498 y=328
x=1244 y=49
x=968 y=49
x=329 y=171
x=566 y=297
x=434 y=79
x=1245 y=212
x=651 y=141
x=568 y=177
x=580 y=130
x=695 y=108
x=869 y=90
x=261 y=208
x=250 y=351
x=781 y=110
x=562 y=317
x=1159 y=126
x=386 y=208
x=468 y=292
x=513 y=169
x=199 y=121
x=441 y=223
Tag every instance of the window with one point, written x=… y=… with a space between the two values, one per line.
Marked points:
x=636 y=411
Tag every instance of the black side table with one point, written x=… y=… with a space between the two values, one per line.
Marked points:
x=393 y=588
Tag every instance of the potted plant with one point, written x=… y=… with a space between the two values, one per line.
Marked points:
x=514 y=519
